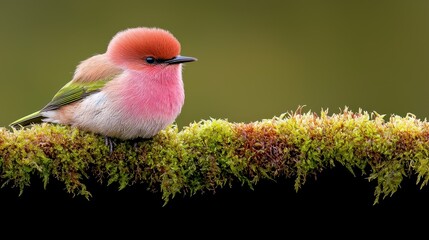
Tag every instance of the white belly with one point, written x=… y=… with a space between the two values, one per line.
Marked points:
x=97 y=114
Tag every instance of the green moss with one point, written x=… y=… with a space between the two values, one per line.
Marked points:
x=209 y=152
x=212 y=154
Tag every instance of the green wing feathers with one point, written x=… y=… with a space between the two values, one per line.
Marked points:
x=32 y=118
x=71 y=92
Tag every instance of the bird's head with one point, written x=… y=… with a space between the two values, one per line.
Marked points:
x=145 y=48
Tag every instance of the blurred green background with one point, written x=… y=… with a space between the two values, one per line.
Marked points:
x=257 y=59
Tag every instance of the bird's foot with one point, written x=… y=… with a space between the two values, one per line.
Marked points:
x=110 y=142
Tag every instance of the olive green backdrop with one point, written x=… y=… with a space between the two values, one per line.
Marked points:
x=257 y=59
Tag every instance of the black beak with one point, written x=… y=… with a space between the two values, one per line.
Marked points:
x=180 y=59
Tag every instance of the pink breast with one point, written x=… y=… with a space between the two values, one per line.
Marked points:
x=151 y=96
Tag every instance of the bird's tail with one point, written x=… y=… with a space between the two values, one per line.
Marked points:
x=27 y=120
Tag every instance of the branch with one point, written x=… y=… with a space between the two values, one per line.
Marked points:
x=213 y=153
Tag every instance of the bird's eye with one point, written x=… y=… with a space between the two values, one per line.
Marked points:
x=150 y=60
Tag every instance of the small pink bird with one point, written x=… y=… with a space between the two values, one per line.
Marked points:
x=134 y=90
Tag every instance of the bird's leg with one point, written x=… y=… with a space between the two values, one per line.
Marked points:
x=110 y=142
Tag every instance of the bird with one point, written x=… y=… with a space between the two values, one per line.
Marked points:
x=132 y=91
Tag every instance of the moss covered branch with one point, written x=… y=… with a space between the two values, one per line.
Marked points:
x=210 y=154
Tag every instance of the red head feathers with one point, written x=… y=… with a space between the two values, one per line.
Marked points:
x=130 y=47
